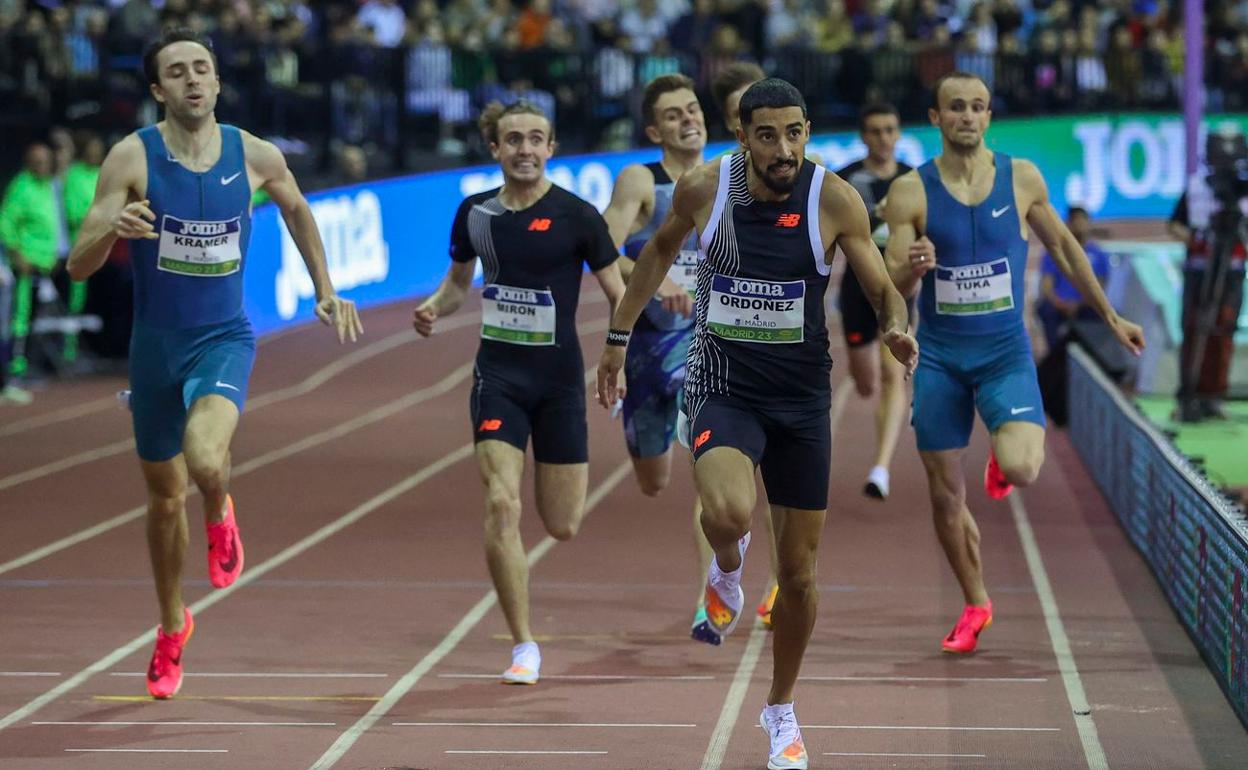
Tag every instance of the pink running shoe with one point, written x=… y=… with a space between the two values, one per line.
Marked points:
x=965 y=635
x=994 y=480
x=225 y=549
x=164 y=673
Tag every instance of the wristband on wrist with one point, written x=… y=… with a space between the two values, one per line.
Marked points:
x=618 y=337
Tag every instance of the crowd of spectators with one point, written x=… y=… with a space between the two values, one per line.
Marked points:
x=395 y=75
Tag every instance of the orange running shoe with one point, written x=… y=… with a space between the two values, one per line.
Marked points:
x=722 y=612
x=787 y=751
x=164 y=673
x=765 y=607
x=225 y=549
x=965 y=635
x=994 y=480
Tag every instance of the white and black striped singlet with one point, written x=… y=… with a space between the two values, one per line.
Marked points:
x=760 y=335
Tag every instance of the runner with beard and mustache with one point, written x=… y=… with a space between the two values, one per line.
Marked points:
x=757 y=390
x=181 y=190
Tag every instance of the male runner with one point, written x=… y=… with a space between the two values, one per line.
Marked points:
x=182 y=190
x=655 y=367
x=533 y=239
x=879 y=128
x=728 y=86
x=757 y=388
x=970 y=205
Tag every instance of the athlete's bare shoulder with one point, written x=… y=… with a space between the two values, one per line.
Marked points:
x=635 y=182
x=125 y=165
x=906 y=197
x=701 y=182
x=260 y=153
x=1026 y=174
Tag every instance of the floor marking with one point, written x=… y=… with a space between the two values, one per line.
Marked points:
x=233 y=698
x=380 y=413
x=454 y=636
x=954 y=679
x=916 y=754
x=30 y=673
x=482 y=751
x=248 y=576
x=1082 y=711
x=60 y=415
x=47 y=469
x=536 y=724
x=150 y=751
x=262 y=675
x=106 y=723
x=937 y=728
x=736 y=695
x=595 y=677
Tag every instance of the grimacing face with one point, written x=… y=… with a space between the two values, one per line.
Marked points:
x=964 y=112
x=189 y=84
x=677 y=121
x=776 y=139
x=524 y=145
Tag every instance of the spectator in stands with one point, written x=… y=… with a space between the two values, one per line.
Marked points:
x=385 y=19
x=833 y=29
x=532 y=23
x=692 y=31
x=789 y=26
x=644 y=25
x=352 y=165
x=1123 y=68
x=1060 y=302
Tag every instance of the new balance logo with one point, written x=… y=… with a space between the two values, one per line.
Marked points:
x=488 y=426
x=539 y=225
x=789 y=220
x=702 y=438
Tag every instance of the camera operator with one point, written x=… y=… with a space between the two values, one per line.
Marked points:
x=1209 y=219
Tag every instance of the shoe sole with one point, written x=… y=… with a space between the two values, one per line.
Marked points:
x=703 y=632
x=874 y=492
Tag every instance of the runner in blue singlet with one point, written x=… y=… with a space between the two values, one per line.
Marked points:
x=957 y=225
x=182 y=190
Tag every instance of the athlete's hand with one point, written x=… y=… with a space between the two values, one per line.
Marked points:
x=423 y=318
x=341 y=314
x=610 y=382
x=904 y=348
x=922 y=255
x=1129 y=335
x=675 y=299
x=135 y=221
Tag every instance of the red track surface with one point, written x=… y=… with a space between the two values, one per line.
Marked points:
x=392 y=596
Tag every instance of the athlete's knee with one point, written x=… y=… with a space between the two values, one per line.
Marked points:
x=206 y=463
x=164 y=504
x=725 y=513
x=865 y=385
x=1022 y=468
x=652 y=483
x=564 y=529
x=947 y=504
x=502 y=511
x=797 y=580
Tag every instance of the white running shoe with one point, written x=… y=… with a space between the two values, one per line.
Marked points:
x=526 y=664
x=877 y=483
x=787 y=751
x=722 y=611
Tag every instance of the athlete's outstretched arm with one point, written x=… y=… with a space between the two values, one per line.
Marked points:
x=112 y=214
x=267 y=164
x=633 y=187
x=447 y=299
x=841 y=206
x=907 y=254
x=1068 y=255
x=612 y=284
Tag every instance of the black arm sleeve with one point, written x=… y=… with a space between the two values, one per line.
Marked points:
x=597 y=249
x=1180 y=211
x=461 y=245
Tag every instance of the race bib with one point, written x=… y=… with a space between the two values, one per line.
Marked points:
x=974 y=289
x=210 y=249
x=518 y=316
x=685 y=270
x=756 y=311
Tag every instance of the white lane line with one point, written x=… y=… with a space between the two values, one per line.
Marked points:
x=714 y=756
x=65 y=463
x=539 y=724
x=1093 y=752
x=552 y=751
x=150 y=751
x=937 y=728
x=248 y=576
x=262 y=675
x=107 y=723
x=60 y=415
x=453 y=637
x=30 y=673
x=952 y=679
x=900 y=754
x=368 y=418
x=594 y=677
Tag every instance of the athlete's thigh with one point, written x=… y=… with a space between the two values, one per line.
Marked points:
x=798 y=532
x=654 y=370
x=497 y=412
x=560 y=492
x=864 y=362
x=728 y=442
x=220 y=364
x=211 y=423
x=501 y=466
x=945 y=479
x=1017 y=442
x=797 y=462
x=943 y=410
x=165 y=478
x=157 y=410
x=560 y=432
x=858 y=320
x=1009 y=391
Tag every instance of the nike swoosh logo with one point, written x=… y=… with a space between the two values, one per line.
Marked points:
x=221 y=384
x=1021 y=409
x=227 y=179
x=228 y=566
x=998 y=212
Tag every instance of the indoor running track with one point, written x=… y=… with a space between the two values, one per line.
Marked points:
x=363 y=633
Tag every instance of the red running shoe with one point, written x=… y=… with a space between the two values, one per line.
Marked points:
x=965 y=635
x=164 y=673
x=225 y=549
x=994 y=480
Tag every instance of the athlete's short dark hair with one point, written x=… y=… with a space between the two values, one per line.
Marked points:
x=873 y=109
x=955 y=75
x=663 y=84
x=771 y=93
x=496 y=111
x=167 y=38
x=732 y=78
x=1074 y=211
